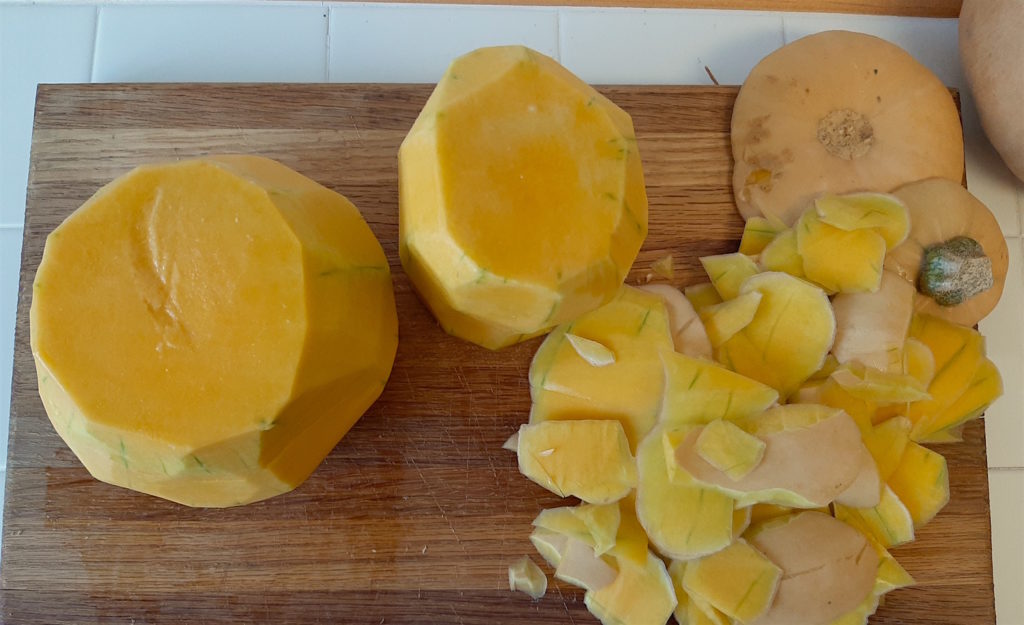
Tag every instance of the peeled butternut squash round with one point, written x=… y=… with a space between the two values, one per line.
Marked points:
x=521 y=194
x=839 y=112
x=955 y=254
x=206 y=331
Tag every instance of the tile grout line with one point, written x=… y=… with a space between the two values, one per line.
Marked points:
x=558 y=33
x=95 y=42
x=1007 y=470
x=327 y=40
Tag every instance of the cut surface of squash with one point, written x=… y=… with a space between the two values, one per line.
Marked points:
x=723 y=321
x=921 y=481
x=564 y=386
x=683 y=520
x=758 y=232
x=789 y=337
x=698 y=391
x=521 y=197
x=154 y=300
x=841 y=261
x=640 y=595
x=882 y=212
x=524 y=575
x=830 y=452
x=738 y=581
x=589 y=459
x=728 y=271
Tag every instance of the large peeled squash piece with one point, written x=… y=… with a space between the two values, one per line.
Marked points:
x=522 y=200
x=837 y=112
x=206 y=331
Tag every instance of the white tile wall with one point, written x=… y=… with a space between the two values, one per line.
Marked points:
x=394 y=43
x=651 y=46
x=1004 y=421
x=37 y=44
x=231 y=43
x=1006 y=493
x=931 y=41
x=314 y=41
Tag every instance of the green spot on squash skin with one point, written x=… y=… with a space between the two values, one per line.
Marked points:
x=643 y=322
x=200 y=463
x=163 y=467
x=728 y=404
x=591 y=101
x=629 y=212
x=480 y=278
x=335 y=271
x=696 y=377
x=124 y=457
x=551 y=313
x=610 y=196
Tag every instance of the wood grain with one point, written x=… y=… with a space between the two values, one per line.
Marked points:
x=916 y=8
x=415 y=515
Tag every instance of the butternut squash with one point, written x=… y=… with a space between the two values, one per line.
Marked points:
x=207 y=330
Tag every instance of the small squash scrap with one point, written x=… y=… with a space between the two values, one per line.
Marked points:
x=964 y=384
x=826 y=440
x=782 y=254
x=589 y=459
x=525 y=576
x=758 y=232
x=723 y=321
x=841 y=261
x=789 y=337
x=871 y=328
x=698 y=391
x=921 y=481
x=728 y=272
x=888 y=524
x=688 y=332
x=738 y=581
x=510 y=153
x=955 y=253
x=642 y=594
x=682 y=518
x=839 y=112
x=635 y=328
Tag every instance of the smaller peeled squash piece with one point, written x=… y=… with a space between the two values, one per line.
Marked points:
x=206 y=331
x=521 y=197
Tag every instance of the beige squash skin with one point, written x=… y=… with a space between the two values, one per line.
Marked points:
x=780 y=164
x=991 y=49
x=940 y=210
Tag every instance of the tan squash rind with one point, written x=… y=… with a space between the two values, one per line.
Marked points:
x=839 y=112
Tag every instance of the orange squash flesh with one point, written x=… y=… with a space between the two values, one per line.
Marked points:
x=206 y=331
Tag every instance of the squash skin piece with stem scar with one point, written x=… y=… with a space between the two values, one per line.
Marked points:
x=521 y=197
x=940 y=211
x=232 y=320
x=839 y=112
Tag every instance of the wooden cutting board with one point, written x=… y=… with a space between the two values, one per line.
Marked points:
x=415 y=515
